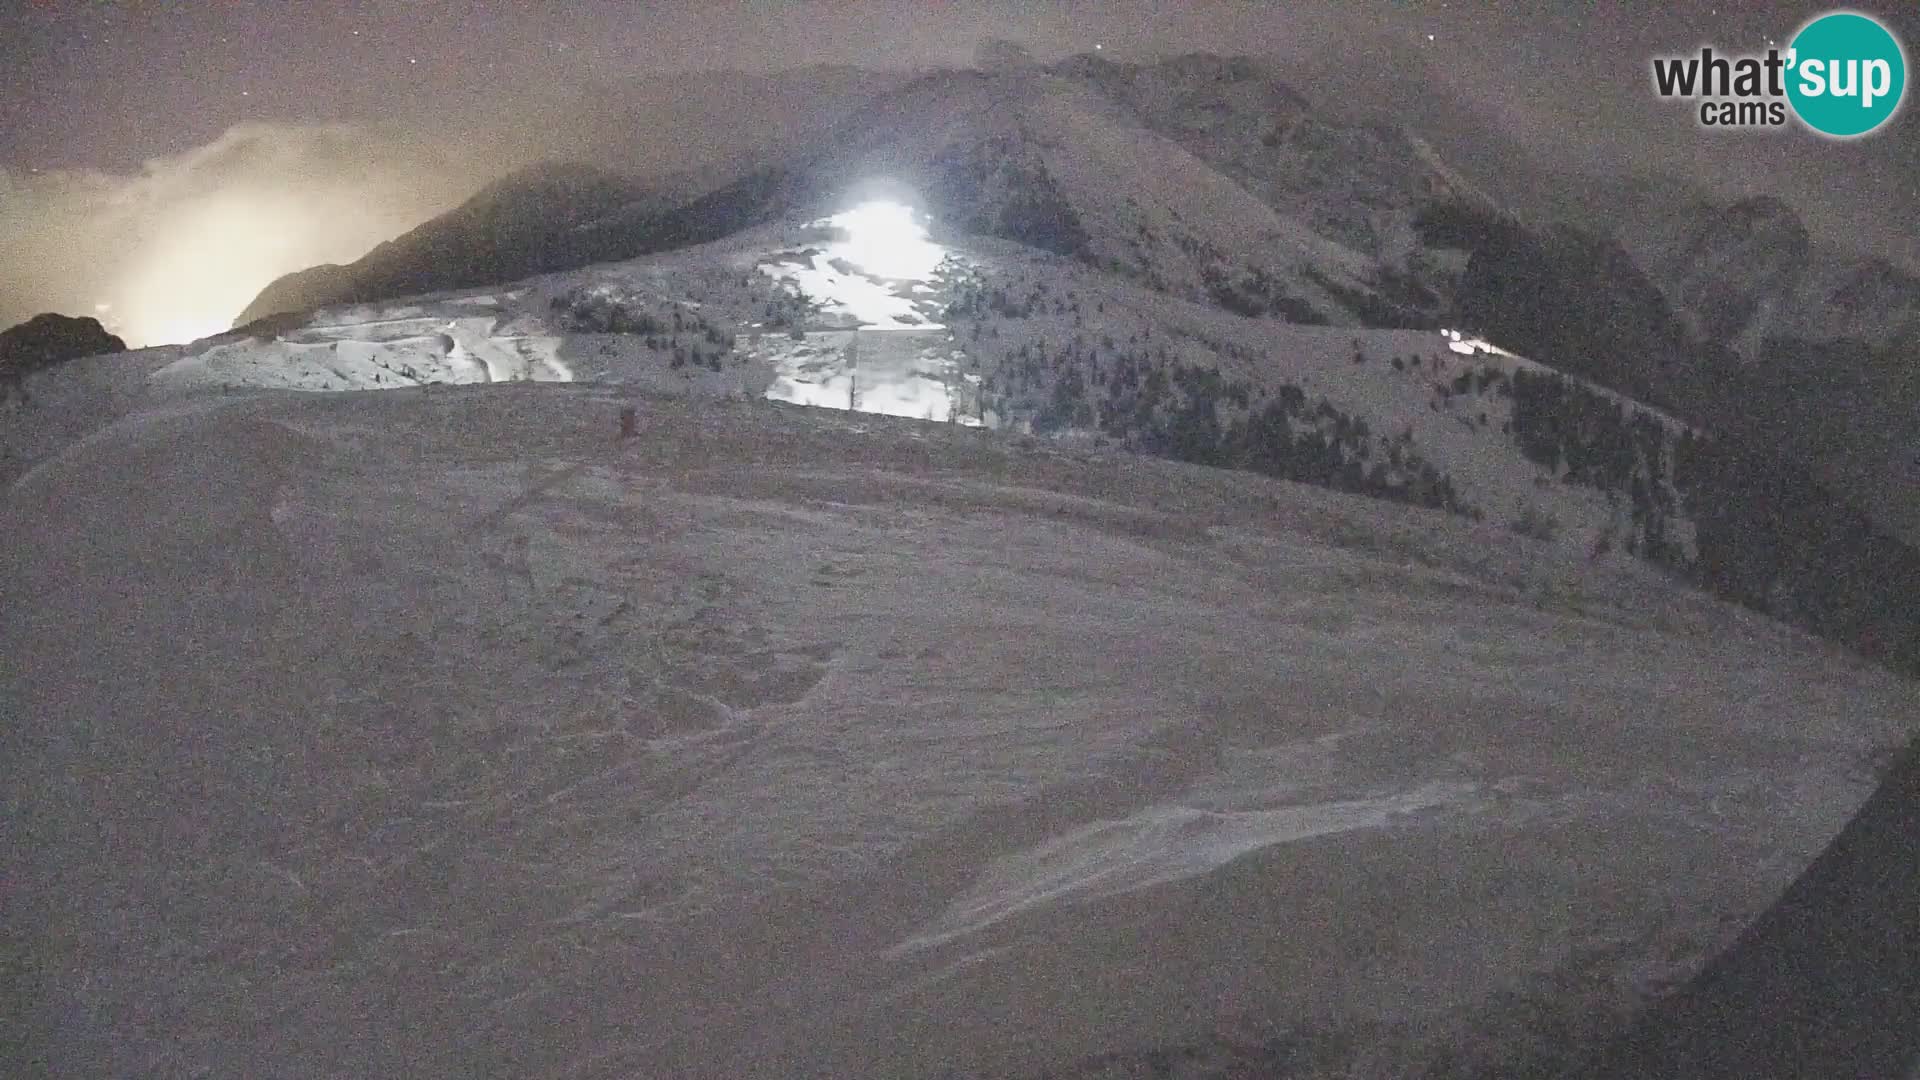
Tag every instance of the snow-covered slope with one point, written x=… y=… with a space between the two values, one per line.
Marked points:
x=442 y=732
x=1407 y=396
x=869 y=311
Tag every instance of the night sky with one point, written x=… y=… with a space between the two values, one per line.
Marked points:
x=102 y=90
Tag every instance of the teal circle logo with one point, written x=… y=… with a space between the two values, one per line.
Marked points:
x=1847 y=74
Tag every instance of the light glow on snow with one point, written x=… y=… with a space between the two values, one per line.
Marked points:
x=876 y=274
x=890 y=372
x=886 y=240
x=872 y=270
x=378 y=348
x=1467 y=346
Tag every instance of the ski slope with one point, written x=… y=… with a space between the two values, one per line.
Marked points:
x=440 y=732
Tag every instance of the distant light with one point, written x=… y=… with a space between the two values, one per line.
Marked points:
x=182 y=331
x=1099 y=47
x=201 y=263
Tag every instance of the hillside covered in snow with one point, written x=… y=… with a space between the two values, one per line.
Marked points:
x=879 y=309
x=452 y=734
x=1219 y=181
x=1075 y=570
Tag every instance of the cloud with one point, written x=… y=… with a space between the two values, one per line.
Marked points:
x=176 y=250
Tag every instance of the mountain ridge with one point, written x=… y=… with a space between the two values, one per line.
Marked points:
x=1213 y=180
x=937 y=101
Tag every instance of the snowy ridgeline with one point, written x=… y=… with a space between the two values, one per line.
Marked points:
x=784 y=742
x=1438 y=418
x=865 y=312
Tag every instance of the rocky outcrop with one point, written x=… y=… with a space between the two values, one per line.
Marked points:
x=1747 y=273
x=46 y=340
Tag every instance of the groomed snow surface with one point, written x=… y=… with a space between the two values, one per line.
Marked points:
x=443 y=733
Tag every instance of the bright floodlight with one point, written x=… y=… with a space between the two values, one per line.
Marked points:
x=885 y=240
